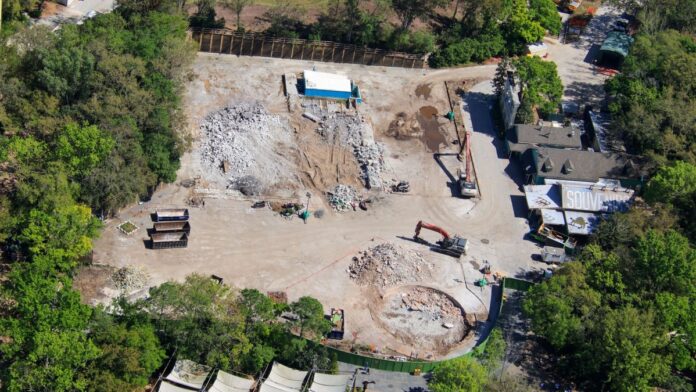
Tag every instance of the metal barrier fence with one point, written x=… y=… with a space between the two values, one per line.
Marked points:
x=410 y=366
x=257 y=44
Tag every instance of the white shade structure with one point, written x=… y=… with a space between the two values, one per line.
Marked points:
x=188 y=373
x=283 y=379
x=329 y=383
x=167 y=387
x=225 y=382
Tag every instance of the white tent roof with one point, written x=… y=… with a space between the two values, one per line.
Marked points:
x=167 y=387
x=542 y=196
x=329 y=383
x=583 y=223
x=326 y=81
x=188 y=373
x=283 y=378
x=226 y=382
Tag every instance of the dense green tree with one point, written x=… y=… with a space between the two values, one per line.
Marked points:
x=520 y=28
x=460 y=374
x=622 y=320
x=310 y=316
x=129 y=354
x=545 y=12
x=652 y=100
x=541 y=87
x=82 y=148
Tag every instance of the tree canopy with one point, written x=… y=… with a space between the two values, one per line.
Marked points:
x=622 y=321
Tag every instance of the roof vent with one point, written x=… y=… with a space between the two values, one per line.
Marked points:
x=548 y=165
x=568 y=167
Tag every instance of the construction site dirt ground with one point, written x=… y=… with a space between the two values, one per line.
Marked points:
x=257 y=248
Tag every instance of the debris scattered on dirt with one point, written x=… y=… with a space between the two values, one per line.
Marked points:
x=247 y=185
x=343 y=197
x=424 y=317
x=387 y=264
x=245 y=140
x=353 y=131
x=130 y=278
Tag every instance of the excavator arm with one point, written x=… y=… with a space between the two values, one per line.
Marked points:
x=428 y=226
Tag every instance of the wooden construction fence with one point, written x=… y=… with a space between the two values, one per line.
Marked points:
x=256 y=44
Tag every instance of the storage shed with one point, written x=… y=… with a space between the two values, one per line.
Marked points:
x=327 y=85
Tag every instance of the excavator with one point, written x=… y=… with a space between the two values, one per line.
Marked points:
x=454 y=246
x=467 y=186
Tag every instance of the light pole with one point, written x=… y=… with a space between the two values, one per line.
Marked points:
x=306 y=213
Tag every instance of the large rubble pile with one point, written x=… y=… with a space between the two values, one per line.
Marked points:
x=130 y=278
x=343 y=198
x=387 y=265
x=354 y=132
x=241 y=144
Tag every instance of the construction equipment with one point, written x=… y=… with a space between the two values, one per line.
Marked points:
x=337 y=324
x=547 y=235
x=401 y=187
x=467 y=185
x=454 y=246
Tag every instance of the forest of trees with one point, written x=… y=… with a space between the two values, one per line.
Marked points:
x=623 y=316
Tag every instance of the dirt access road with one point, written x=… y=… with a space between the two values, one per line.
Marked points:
x=257 y=248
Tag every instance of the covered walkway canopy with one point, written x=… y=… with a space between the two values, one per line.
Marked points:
x=329 y=383
x=283 y=379
x=226 y=382
x=188 y=373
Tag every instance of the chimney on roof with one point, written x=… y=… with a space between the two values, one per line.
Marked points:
x=568 y=166
x=548 y=165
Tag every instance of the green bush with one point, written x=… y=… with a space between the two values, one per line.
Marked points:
x=469 y=50
x=544 y=12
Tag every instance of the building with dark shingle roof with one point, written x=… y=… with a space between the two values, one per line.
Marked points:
x=543 y=163
x=522 y=137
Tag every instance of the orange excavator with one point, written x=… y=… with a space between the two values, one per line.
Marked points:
x=454 y=246
x=467 y=185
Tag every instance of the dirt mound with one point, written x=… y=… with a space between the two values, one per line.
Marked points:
x=387 y=265
x=422 y=317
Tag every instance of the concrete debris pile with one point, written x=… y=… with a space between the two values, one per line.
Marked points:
x=387 y=265
x=130 y=278
x=343 y=198
x=371 y=160
x=344 y=130
x=352 y=131
x=240 y=143
x=433 y=305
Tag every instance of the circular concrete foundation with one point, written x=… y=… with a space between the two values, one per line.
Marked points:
x=422 y=317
